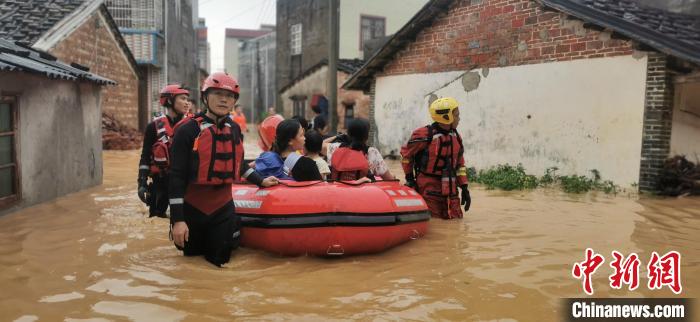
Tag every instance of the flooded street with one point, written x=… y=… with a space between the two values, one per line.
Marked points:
x=95 y=256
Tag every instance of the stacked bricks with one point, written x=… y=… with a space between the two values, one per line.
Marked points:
x=373 y=140
x=494 y=33
x=658 y=108
x=92 y=45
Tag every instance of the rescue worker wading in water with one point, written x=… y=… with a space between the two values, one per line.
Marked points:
x=433 y=161
x=207 y=157
x=155 y=158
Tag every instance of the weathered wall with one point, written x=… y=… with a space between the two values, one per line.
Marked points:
x=685 y=130
x=316 y=83
x=313 y=16
x=396 y=12
x=577 y=115
x=181 y=46
x=93 y=45
x=60 y=136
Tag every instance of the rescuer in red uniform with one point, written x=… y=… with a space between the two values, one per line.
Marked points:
x=207 y=157
x=433 y=161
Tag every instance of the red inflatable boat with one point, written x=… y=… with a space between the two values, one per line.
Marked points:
x=329 y=218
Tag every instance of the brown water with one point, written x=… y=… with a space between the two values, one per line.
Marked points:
x=94 y=256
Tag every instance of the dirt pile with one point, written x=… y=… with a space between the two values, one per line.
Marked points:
x=117 y=136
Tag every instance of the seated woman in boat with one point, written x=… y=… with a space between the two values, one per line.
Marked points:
x=351 y=158
x=282 y=161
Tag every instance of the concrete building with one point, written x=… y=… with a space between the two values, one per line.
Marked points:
x=256 y=74
x=302 y=31
x=81 y=32
x=233 y=42
x=50 y=127
x=308 y=88
x=587 y=85
x=161 y=37
x=203 y=46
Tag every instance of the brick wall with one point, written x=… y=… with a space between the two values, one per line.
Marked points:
x=492 y=33
x=372 y=122
x=658 y=108
x=92 y=45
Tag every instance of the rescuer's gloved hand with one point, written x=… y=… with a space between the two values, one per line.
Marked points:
x=466 y=198
x=143 y=189
x=411 y=181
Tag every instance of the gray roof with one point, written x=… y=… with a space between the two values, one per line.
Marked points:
x=15 y=57
x=28 y=20
x=674 y=34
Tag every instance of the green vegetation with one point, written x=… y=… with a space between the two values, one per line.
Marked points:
x=508 y=177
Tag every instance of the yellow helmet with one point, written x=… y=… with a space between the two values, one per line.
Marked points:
x=441 y=110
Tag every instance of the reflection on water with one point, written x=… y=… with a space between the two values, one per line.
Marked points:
x=95 y=256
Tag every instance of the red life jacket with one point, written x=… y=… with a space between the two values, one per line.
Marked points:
x=442 y=153
x=349 y=164
x=217 y=152
x=184 y=120
x=160 y=151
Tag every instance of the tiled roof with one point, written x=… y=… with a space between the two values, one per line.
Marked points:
x=671 y=33
x=348 y=66
x=14 y=57
x=28 y=20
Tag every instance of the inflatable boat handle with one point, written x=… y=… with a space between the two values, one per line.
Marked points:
x=335 y=250
x=414 y=235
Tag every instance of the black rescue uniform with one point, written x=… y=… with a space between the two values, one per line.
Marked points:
x=206 y=159
x=158 y=190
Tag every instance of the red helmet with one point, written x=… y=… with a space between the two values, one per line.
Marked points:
x=168 y=93
x=267 y=131
x=223 y=81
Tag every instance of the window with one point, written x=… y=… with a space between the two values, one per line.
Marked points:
x=689 y=97
x=299 y=106
x=371 y=28
x=349 y=113
x=295 y=39
x=9 y=170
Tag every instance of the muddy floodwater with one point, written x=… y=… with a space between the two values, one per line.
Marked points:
x=95 y=256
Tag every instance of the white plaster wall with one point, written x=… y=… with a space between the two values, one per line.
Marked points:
x=396 y=12
x=583 y=114
x=685 y=131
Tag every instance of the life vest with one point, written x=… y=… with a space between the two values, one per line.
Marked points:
x=349 y=164
x=442 y=153
x=185 y=119
x=441 y=158
x=217 y=153
x=271 y=164
x=160 y=150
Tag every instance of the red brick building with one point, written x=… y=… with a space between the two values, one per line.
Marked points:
x=580 y=85
x=81 y=32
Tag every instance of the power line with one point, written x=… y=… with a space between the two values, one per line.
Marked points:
x=236 y=16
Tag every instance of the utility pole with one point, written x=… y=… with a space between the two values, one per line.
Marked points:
x=333 y=44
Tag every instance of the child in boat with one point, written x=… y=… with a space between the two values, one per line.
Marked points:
x=352 y=158
x=313 y=144
x=282 y=161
